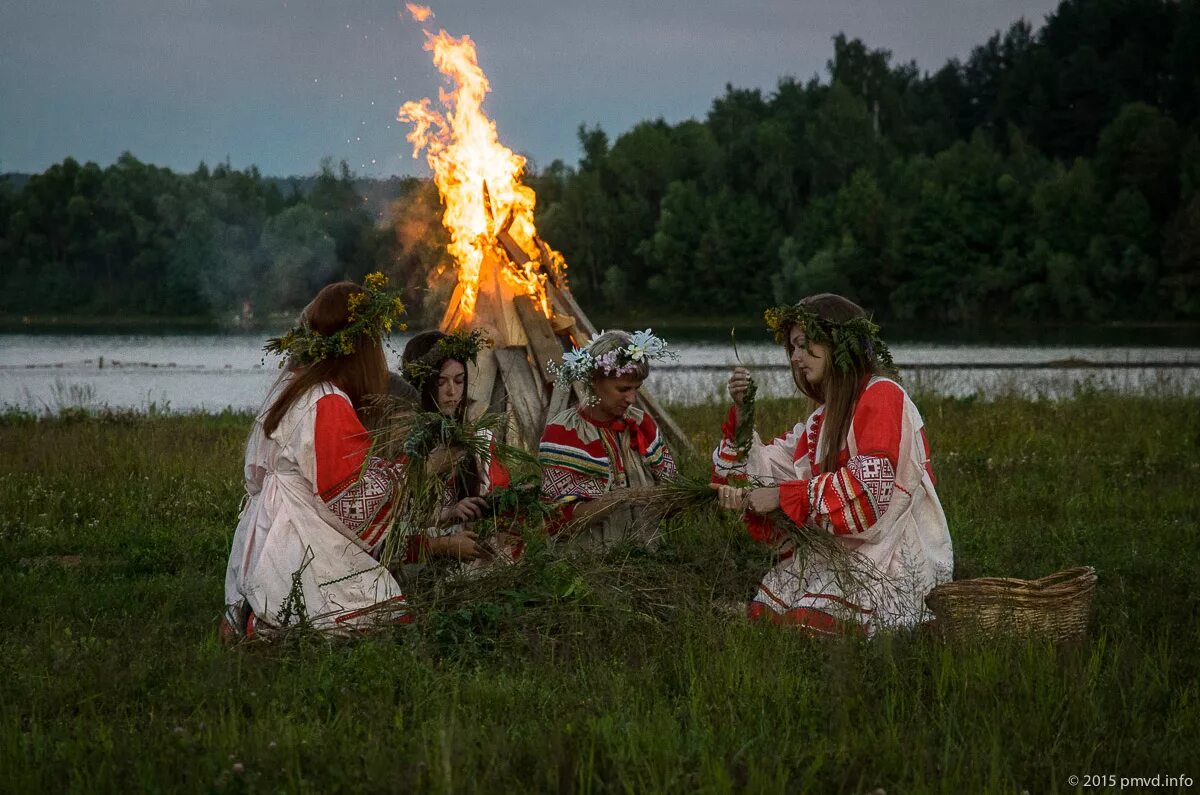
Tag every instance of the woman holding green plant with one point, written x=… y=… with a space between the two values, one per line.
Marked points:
x=318 y=503
x=466 y=472
x=857 y=470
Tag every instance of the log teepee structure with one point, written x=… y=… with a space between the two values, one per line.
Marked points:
x=514 y=378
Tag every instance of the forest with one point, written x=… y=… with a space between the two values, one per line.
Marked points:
x=1052 y=175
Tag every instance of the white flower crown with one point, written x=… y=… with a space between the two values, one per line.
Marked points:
x=579 y=364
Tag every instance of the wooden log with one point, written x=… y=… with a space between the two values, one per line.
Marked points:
x=675 y=435
x=581 y=320
x=525 y=396
x=562 y=309
x=547 y=260
x=451 y=315
x=545 y=346
x=512 y=248
x=498 y=404
x=481 y=380
x=508 y=324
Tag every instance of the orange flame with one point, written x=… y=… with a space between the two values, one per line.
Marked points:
x=419 y=13
x=479 y=178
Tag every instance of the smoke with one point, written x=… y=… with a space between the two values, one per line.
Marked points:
x=424 y=269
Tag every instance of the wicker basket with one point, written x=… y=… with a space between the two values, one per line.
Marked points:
x=1056 y=607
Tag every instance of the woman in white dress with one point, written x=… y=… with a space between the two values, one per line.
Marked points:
x=318 y=504
x=857 y=467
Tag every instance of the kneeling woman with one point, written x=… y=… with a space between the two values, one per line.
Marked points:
x=606 y=443
x=435 y=364
x=858 y=468
x=318 y=504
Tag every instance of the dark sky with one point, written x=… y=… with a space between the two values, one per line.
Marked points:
x=281 y=83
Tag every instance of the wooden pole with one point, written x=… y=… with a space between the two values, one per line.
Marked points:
x=481 y=379
x=525 y=395
x=545 y=346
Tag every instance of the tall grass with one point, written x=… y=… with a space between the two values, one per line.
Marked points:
x=623 y=674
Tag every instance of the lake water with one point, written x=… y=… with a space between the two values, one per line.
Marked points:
x=211 y=372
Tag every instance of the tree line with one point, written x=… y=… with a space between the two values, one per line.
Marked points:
x=137 y=239
x=1052 y=175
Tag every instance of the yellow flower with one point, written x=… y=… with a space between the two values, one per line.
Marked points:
x=354 y=302
x=346 y=346
x=375 y=281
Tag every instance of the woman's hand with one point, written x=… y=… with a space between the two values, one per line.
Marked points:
x=463 y=545
x=465 y=510
x=733 y=498
x=739 y=384
x=760 y=501
x=763 y=501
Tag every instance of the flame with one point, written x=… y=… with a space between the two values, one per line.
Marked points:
x=419 y=13
x=479 y=179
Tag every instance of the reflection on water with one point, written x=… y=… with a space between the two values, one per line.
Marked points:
x=211 y=372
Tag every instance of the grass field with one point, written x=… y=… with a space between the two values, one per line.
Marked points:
x=626 y=674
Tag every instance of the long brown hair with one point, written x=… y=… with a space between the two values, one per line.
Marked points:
x=358 y=374
x=840 y=390
x=465 y=480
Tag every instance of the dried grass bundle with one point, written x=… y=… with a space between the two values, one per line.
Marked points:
x=655 y=504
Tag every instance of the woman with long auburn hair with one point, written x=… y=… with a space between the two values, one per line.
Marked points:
x=318 y=504
x=858 y=467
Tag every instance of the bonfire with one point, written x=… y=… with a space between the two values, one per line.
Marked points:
x=511 y=283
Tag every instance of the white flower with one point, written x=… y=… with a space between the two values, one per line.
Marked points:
x=645 y=344
x=576 y=366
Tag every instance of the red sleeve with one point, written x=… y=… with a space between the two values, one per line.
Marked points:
x=795 y=500
x=725 y=456
x=878 y=420
x=417 y=548
x=852 y=498
x=341 y=445
x=760 y=529
x=498 y=476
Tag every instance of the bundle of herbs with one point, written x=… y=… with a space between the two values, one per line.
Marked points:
x=431 y=451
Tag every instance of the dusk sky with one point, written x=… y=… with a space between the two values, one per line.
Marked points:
x=282 y=83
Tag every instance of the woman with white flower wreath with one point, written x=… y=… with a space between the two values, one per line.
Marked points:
x=606 y=443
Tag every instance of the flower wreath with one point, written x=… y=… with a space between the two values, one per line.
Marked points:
x=462 y=345
x=373 y=313
x=579 y=364
x=857 y=337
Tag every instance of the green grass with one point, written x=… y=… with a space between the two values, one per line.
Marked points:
x=113 y=541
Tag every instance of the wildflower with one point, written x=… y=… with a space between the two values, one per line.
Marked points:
x=354 y=302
